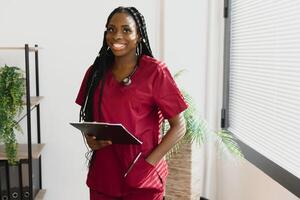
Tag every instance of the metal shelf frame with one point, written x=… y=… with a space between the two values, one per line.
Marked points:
x=27 y=50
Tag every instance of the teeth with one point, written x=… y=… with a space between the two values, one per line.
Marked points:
x=118 y=46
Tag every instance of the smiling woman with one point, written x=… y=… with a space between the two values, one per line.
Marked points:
x=126 y=85
x=122 y=36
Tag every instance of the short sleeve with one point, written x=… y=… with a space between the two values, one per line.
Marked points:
x=166 y=94
x=83 y=88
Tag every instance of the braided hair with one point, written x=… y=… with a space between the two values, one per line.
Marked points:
x=104 y=60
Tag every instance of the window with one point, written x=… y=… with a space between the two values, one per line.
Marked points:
x=261 y=104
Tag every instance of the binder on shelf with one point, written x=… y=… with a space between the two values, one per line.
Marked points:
x=25 y=178
x=117 y=133
x=3 y=180
x=15 y=193
x=25 y=181
x=14 y=182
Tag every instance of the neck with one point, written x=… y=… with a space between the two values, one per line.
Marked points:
x=125 y=62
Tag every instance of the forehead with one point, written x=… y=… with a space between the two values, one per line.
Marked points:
x=122 y=19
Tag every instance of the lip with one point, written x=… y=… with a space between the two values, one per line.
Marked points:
x=118 y=46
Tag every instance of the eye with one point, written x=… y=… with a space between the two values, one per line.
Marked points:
x=110 y=29
x=127 y=30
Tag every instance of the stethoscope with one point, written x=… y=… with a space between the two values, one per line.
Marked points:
x=127 y=80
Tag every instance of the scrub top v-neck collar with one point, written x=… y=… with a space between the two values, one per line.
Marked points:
x=113 y=82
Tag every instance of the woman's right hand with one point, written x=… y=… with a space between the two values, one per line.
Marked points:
x=96 y=144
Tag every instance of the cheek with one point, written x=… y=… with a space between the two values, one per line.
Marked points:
x=134 y=39
x=134 y=36
x=107 y=38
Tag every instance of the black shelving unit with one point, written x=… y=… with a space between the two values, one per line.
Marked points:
x=29 y=167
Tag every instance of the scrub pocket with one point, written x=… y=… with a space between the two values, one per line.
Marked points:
x=143 y=175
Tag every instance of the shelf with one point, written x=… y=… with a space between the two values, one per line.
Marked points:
x=20 y=48
x=36 y=149
x=40 y=195
x=34 y=100
x=23 y=151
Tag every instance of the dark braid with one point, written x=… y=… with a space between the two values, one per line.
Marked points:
x=140 y=20
x=104 y=60
x=99 y=67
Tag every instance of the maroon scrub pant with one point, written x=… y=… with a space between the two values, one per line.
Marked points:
x=143 y=183
x=136 y=195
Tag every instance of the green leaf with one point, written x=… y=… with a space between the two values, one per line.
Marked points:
x=12 y=89
x=228 y=142
x=197 y=129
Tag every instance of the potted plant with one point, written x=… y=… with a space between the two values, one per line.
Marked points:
x=197 y=131
x=12 y=89
x=179 y=158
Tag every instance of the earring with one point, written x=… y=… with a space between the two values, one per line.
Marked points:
x=139 y=49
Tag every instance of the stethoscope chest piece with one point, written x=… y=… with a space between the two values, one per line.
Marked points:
x=126 y=81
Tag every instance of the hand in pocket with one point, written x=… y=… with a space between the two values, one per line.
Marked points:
x=143 y=175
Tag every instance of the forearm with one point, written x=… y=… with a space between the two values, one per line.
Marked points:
x=174 y=134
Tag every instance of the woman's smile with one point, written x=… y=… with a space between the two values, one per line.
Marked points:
x=118 y=46
x=122 y=35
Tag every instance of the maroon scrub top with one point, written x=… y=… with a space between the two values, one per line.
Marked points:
x=140 y=107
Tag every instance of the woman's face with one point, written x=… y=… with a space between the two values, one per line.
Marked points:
x=122 y=35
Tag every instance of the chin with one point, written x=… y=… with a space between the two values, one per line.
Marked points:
x=118 y=52
x=123 y=52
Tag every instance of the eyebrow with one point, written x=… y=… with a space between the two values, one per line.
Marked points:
x=124 y=26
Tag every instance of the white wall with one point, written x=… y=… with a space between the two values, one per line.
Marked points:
x=185 y=43
x=70 y=33
x=244 y=181
x=185 y=47
x=231 y=179
x=193 y=39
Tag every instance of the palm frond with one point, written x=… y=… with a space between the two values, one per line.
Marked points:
x=227 y=142
x=197 y=129
x=178 y=74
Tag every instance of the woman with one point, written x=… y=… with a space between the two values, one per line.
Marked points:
x=127 y=85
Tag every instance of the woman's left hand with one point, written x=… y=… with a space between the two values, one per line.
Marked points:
x=95 y=144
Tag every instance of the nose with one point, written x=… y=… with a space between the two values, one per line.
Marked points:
x=118 y=35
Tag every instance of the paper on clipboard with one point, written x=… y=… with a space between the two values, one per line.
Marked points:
x=117 y=133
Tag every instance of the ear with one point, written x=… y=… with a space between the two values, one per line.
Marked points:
x=140 y=39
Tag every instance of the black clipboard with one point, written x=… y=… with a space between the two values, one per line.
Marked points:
x=117 y=133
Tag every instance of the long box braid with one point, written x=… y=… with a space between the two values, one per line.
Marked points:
x=104 y=60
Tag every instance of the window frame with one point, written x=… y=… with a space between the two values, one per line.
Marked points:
x=276 y=172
